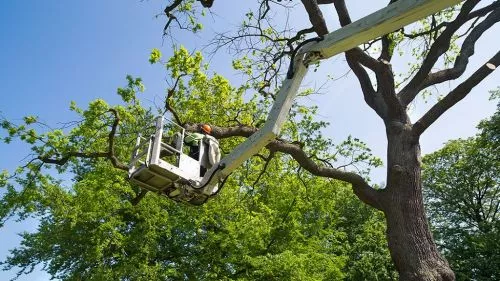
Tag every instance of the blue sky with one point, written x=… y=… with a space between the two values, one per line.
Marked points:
x=53 y=52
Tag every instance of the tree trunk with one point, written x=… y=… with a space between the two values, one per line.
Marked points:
x=412 y=247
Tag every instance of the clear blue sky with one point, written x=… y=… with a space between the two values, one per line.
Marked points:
x=53 y=52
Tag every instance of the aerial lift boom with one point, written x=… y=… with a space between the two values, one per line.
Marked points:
x=386 y=20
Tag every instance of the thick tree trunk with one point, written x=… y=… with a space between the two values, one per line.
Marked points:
x=410 y=241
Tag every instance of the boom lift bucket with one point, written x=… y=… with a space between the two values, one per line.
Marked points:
x=160 y=164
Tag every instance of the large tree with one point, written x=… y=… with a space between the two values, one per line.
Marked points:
x=447 y=42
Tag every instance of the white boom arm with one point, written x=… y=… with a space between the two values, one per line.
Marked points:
x=386 y=20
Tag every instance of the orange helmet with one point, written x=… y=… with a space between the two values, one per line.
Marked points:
x=206 y=128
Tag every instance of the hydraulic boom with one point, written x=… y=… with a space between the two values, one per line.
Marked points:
x=386 y=20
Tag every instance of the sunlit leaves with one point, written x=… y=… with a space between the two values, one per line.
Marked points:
x=134 y=86
x=244 y=65
x=155 y=56
x=184 y=15
x=30 y=119
x=182 y=62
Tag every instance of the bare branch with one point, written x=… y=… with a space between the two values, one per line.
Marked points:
x=111 y=142
x=467 y=50
x=264 y=169
x=168 y=12
x=384 y=100
x=474 y=14
x=110 y=154
x=315 y=17
x=440 y=46
x=361 y=188
x=358 y=54
x=387 y=89
x=264 y=9
x=370 y=95
x=168 y=106
x=298 y=36
x=457 y=94
x=426 y=32
x=369 y=44
x=269 y=54
x=485 y=10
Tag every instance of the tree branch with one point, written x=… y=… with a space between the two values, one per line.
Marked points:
x=361 y=188
x=440 y=46
x=297 y=37
x=387 y=89
x=355 y=54
x=455 y=95
x=168 y=106
x=371 y=97
x=168 y=12
x=322 y=2
x=384 y=101
x=264 y=169
x=139 y=197
x=466 y=51
x=315 y=17
x=360 y=55
x=387 y=50
x=110 y=154
x=386 y=53
x=268 y=53
x=111 y=142
x=474 y=14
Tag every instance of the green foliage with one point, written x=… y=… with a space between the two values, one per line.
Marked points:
x=258 y=228
x=462 y=186
x=93 y=232
x=188 y=12
x=495 y=94
x=134 y=86
x=155 y=56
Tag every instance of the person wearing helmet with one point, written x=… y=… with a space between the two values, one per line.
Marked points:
x=193 y=140
x=206 y=129
x=211 y=154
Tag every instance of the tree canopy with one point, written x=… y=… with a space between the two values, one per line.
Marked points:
x=93 y=227
x=462 y=197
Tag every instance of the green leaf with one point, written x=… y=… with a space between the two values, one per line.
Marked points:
x=155 y=56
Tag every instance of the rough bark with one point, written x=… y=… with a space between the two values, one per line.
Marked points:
x=410 y=241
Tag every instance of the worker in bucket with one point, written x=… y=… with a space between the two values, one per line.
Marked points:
x=204 y=148
x=210 y=145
